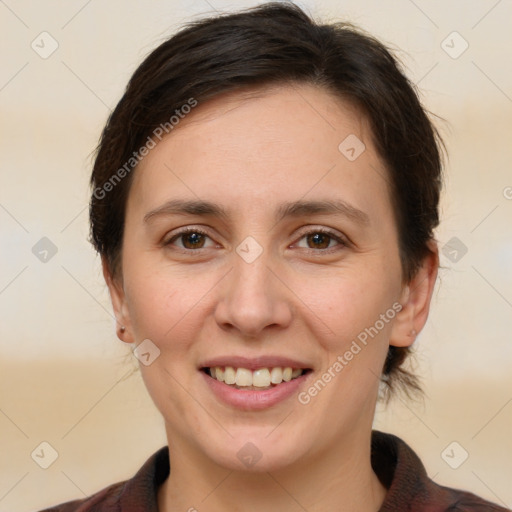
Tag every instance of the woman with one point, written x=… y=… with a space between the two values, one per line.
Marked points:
x=264 y=200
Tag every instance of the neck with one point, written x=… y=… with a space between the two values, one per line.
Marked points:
x=340 y=479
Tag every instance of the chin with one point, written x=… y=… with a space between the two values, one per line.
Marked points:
x=257 y=451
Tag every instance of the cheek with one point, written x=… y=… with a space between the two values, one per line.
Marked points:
x=164 y=304
x=351 y=304
x=169 y=309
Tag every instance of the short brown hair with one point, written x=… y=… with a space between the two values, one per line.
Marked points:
x=271 y=44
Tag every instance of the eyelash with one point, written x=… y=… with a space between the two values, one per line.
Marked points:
x=342 y=242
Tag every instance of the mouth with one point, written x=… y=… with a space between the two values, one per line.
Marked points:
x=259 y=379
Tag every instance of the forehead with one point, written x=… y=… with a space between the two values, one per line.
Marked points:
x=283 y=142
x=278 y=115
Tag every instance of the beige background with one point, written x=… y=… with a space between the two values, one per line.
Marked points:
x=63 y=373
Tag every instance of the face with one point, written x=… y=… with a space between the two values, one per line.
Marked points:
x=253 y=241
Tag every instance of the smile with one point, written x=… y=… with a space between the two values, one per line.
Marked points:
x=259 y=379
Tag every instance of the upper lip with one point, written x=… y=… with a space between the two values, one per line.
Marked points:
x=254 y=363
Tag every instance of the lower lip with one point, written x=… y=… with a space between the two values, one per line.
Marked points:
x=252 y=400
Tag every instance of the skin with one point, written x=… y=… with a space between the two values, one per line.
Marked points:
x=301 y=298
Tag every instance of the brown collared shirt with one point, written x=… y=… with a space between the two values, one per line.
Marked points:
x=397 y=466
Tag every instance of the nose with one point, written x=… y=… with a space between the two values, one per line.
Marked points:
x=253 y=299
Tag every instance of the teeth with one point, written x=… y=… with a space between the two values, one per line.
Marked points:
x=243 y=377
x=276 y=376
x=296 y=373
x=261 y=378
x=229 y=374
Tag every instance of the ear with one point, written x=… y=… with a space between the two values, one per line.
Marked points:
x=117 y=296
x=415 y=300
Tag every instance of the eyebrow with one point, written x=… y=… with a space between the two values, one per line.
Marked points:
x=299 y=208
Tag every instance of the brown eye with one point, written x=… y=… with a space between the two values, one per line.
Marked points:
x=321 y=241
x=192 y=240
x=189 y=239
x=318 y=240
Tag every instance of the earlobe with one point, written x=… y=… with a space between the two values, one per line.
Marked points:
x=415 y=300
x=117 y=297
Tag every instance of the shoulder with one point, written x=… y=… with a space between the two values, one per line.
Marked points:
x=409 y=488
x=107 y=498
x=137 y=493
